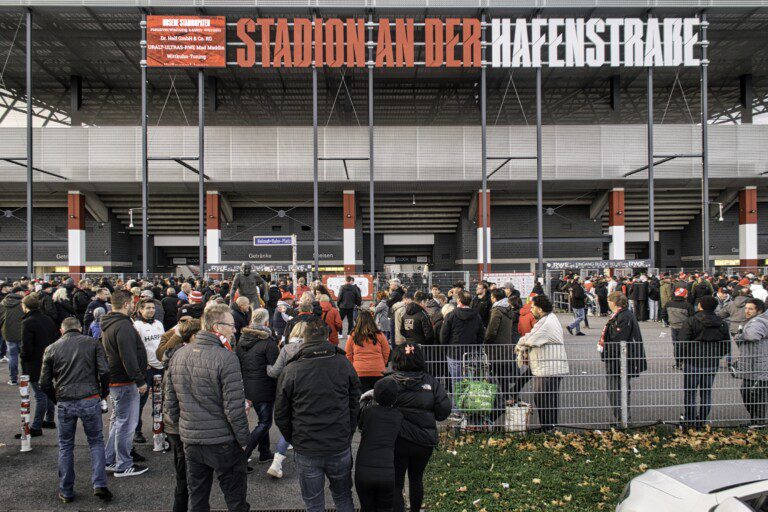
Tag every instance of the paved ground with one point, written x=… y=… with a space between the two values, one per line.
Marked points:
x=28 y=481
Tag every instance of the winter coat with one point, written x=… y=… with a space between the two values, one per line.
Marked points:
x=47 y=306
x=11 y=316
x=624 y=327
x=423 y=401
x=349 y=296
x=126 y=354
x=545 y=348
x=433 y=310
x=395 y=296
x=380 y=426
x=415 y=325
x=93 y=306
x=74 y=367
x=173 y=346
x=256 y=350
x=501 y=323
x=398 y=310
x=332 y=319
x=482 y=307
x=577 y=296
x=700 y=290
x=150 y=334
x=193 y=310
x=705 y=340
x=287 y=354
x=381 y=316
x=665 y=293
x=80 y=301
x=370 y=360
x=527 y=320
x=639 y=291
x=753 y=349
x=205 y=393
x=678 y=311
x=37 y=332
x=462 y=327
x=273 y=297
x=241 y=319
x=64 y=309
x=734 y=312
x=171 y=304
x=280 y=319
x=318 y=399
x=654 y=290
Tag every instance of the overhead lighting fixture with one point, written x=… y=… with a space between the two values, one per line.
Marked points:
x=720 y=217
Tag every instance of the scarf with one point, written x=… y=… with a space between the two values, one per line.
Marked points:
x=601 y=343
x=224 y=341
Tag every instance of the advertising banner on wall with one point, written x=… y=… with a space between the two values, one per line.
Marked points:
x=597 y=264
x=523 y=281
x=187 y=41
x=363 y=281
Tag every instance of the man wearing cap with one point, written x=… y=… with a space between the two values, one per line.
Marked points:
x=195 y=307
x=678 y=311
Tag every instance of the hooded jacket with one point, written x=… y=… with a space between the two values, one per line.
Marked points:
x=734 y=312
x=501 y=324
x=126 y=354
x=546 y=351
x=462 y=327
x=11 y=316
x=527 y=320
x=678 y=311
x=93 y=306
x=398 y=310
x=482 y=305
x=332 y=319
x=171 y=304
x=577 y=296
x=349 y=296
x=415 y=325
x=370 y=360
x=423 y=401
x=37 y=332
x=753 y=349
x=205 y=393
x=705 y=340
x=623 y=326
x=318 y=399
x=256 y=350
x=74 y=367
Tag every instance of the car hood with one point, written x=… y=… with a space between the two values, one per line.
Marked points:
x=707 y=477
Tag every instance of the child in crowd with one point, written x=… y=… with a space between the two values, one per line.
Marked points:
x=375 y=464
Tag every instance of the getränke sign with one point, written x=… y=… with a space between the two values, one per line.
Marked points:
x=457 y=42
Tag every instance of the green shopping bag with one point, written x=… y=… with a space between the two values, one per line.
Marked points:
x=474 y=396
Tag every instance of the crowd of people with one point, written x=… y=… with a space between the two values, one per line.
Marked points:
x=212 y=354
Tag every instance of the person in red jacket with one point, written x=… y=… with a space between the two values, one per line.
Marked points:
x=527 y=320
x=367 y=350
x=331 y=317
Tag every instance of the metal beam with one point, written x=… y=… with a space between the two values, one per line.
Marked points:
x=598 y=205
x=96 y=207
x=30 y=168
x=704 y=142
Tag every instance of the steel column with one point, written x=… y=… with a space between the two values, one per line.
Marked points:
x=144 y=162
x=704 y=144
x=539 y=179
x=484 y=151
x=30 y=205
x=651 y=208
x=315 y=210
x=201 y=165
x=371 y=192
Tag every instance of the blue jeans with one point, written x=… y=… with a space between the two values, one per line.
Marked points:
x=701 y=380
x=45 y=410
x=456 y=373
x=312 y=473
x=282 y=446
x=260 y=434
x=122 y=424
x=89 y=412
x=13 y=360
x=150 y=378
x=578 y=315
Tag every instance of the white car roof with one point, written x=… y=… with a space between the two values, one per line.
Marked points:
x=706 y=477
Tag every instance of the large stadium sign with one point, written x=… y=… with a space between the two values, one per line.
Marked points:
x=199 y=41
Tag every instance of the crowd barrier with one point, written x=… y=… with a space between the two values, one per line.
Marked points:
x=613 y=389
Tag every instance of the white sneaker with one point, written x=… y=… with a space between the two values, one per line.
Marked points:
x=3 y=359
x=276 y=469
x=134 y=470
x=111 y=468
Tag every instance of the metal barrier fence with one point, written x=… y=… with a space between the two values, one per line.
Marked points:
x=602 y=391
x=561 y=302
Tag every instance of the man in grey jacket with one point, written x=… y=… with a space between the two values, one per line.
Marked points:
x=753 y=362
x=206 y=399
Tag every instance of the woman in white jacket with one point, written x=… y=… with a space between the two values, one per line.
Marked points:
x=543 y=350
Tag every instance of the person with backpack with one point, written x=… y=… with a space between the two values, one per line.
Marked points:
x=349 y=297
x=706 y=340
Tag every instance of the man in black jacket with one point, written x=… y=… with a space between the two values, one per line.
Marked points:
x=127 y=359
x=170 y=303
x=706 y=339
x=639 y=298
x=415 y=324
x=37 y=332
x=349 y=298
x=318 y=396
x=100 y=300
x=75 y=375
x=81 y=297
x=481 y=302
x=11 y=316
x=241 y=313
x=578 y=305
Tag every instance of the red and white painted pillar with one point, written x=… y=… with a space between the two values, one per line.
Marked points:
x=481 y=227
x=616 y=247
x=76 y=233
x=350 y=250
x=748 y=226
x=212 y=227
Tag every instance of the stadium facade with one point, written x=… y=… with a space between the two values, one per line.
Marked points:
x=371 y=129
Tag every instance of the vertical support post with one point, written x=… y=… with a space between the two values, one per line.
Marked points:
x=484 y=155
x=315 y=210
x=76 y=234
x=30 y=205
x=201 y=165
x=349 y=223
x=746 y=97
x=144 y=163
x=704 y=144
x=651 y=206
x=748 y=227
x=539 y=179
x=294 y=258
x=213 y=226
x=616 y=247
x=371 y=193
x=624 y=378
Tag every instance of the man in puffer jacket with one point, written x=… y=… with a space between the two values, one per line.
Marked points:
x=501 y=320
x=677 y=312
x=206 y=400
x=415 y=324
x=753 y=361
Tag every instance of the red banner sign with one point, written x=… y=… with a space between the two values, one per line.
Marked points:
x=187 y=41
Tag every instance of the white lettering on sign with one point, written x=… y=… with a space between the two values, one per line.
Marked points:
x=594 y=42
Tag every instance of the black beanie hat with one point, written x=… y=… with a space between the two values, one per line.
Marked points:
x=708 y=303
x=385 y=392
